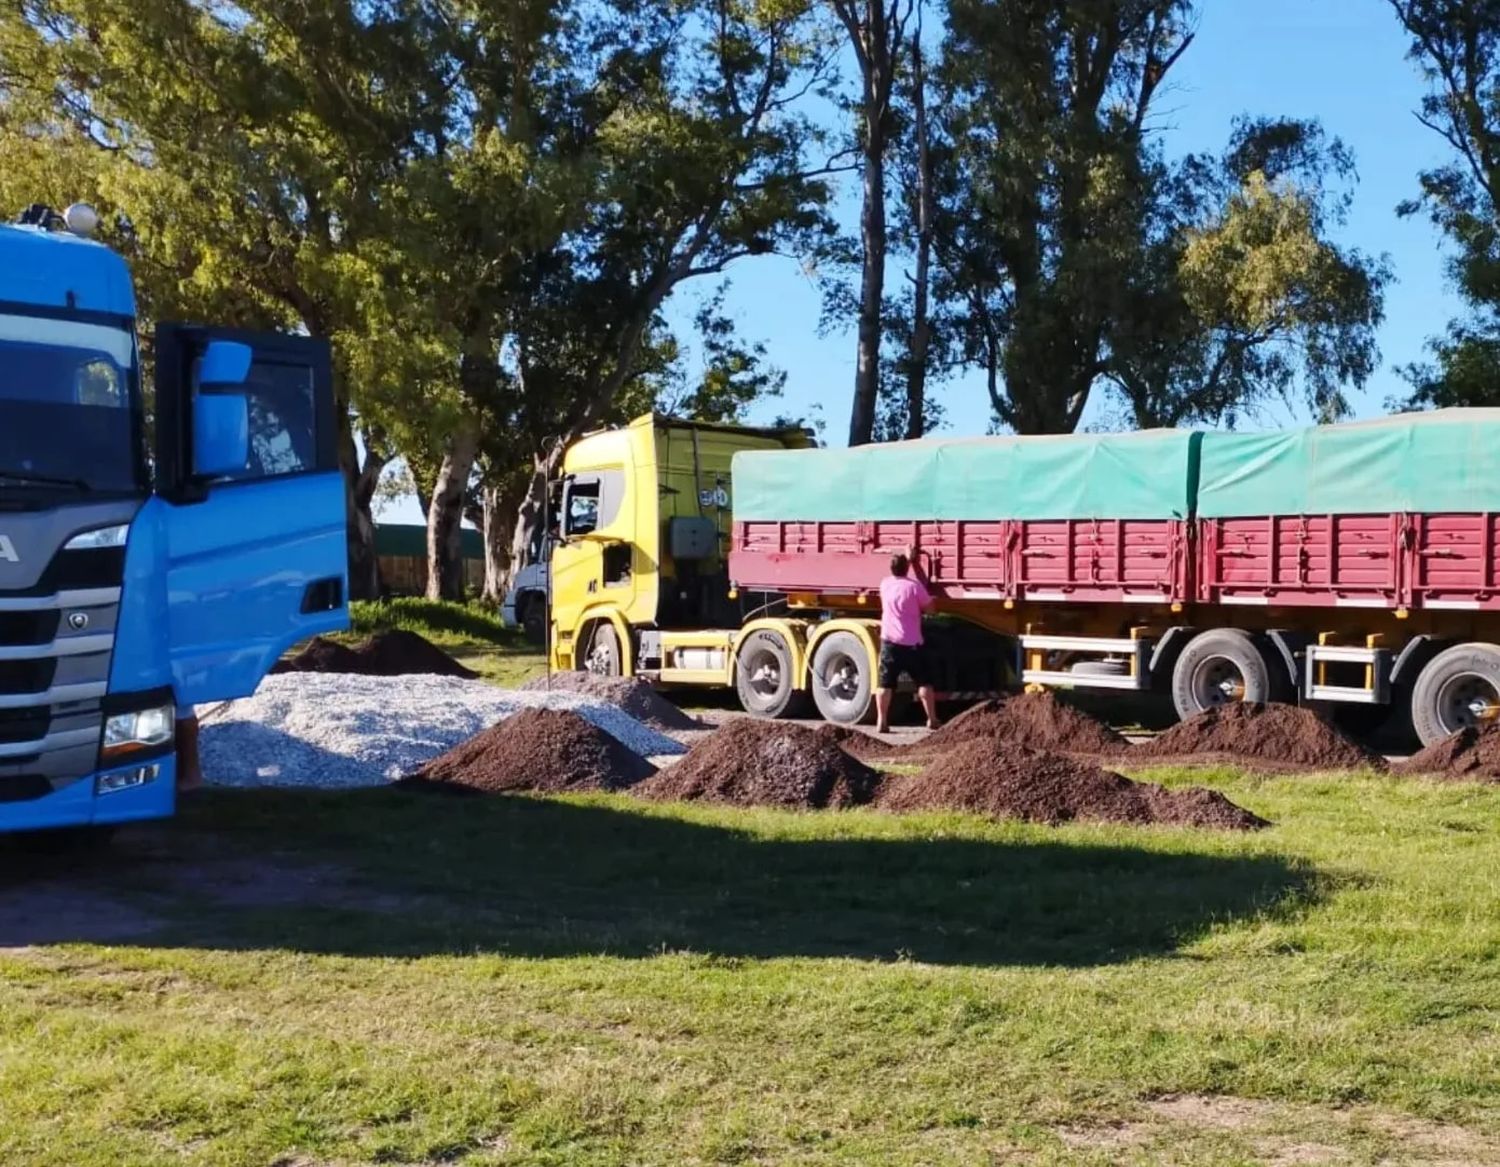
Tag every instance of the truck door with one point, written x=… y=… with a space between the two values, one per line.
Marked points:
x=256 y=550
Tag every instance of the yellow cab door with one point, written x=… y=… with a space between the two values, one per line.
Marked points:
x=592 y=567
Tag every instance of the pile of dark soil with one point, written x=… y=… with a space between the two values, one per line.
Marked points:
x=1039 y=721
x=864 y=746
x=766 y=763
x=386 y=654
x=1009 y=781
x=536 y=750
x=629 y=695
x=1270 y=737
x=1470 y=755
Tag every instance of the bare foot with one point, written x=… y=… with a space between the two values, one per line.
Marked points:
x=882 y=729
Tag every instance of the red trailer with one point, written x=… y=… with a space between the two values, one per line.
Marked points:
x=1353 y=564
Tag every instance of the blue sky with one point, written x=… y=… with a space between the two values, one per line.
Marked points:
x=1340 y=61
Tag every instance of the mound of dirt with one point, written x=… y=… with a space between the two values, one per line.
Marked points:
x=764 y=763
x=386 y=654
x=1470 y=755
x=1009 y=781
x=627 y=694
x=1270 y=737
x=535 y=750
x=862 y=745
x=1038 y=721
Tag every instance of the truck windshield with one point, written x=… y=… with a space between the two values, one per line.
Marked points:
x=70 y=409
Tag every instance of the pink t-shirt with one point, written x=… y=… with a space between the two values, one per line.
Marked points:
x=902 y=602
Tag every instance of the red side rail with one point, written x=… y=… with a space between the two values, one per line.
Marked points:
x=1095 y=561
x=1324 y=561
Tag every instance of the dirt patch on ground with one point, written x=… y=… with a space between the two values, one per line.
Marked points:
x=536 y=750
x=761 y=763
x=1009 y=781
x=1470 y=755
x=627 y=694
x=1038 y=721
x=136 y=888
x=1268 y=737
x=386 y=654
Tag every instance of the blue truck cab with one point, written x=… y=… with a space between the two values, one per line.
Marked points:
x=135 y=582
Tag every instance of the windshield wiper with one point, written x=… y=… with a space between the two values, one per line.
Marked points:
x=25 y=476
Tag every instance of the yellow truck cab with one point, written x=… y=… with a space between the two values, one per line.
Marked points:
x=640 y=567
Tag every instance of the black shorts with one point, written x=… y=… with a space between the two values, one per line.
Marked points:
x=896 y=659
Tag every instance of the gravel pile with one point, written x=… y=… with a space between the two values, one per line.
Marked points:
x=633 y=696
x=332 y=730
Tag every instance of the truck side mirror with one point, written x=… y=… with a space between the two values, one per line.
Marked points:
x=221 y=421
x=221 y=433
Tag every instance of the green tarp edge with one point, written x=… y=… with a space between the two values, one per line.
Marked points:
x=1146 y=475
x=1442 y=461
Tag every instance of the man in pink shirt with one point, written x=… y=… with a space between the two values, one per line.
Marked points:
x=903 y=599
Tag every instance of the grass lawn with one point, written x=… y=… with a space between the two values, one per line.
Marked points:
x=472 y=633
x=302 y=979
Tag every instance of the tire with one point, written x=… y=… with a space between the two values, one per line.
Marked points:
x=604 y=658
x=1459 y=687
x=533 y=620
x=1217 y=668
x=843 y=680
x=763 y=676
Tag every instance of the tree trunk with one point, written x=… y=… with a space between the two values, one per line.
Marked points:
x=500 y=514
x=445 y=559
x=871 y=293
x=360 y=480
x=876 y=36
x=921 y=331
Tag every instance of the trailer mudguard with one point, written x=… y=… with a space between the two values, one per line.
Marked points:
x=256 y=559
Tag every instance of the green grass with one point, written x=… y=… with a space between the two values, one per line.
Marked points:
x=597 y=981
x=470 y=632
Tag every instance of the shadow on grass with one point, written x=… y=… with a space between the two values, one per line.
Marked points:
x=422 y=874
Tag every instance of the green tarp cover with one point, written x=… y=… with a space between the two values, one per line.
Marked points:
x=1447 y=460
x=1146 y=475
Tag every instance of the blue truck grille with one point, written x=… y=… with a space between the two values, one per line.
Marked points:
x=18 y=629
x=24 y=725
x=27 y=676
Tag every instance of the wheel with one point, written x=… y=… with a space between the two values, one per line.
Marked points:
x=1217 y=668
x=1459 y=688
x=534 y=620
x=763 y=676
x=604 y=658
x=843 y=681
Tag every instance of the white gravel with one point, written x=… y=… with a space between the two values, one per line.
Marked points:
x=334 y=730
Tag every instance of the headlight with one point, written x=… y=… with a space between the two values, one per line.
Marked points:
x=98 y=539
x=145 y=729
